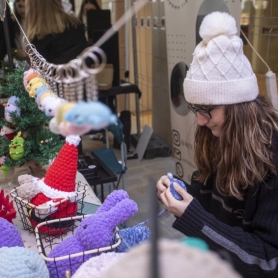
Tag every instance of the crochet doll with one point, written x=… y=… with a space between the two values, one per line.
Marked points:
x=57 y=185
x=94 y=232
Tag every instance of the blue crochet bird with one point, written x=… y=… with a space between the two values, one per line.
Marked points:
x=94 y=113
x=10 y=107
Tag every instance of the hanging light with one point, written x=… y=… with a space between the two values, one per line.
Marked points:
x=260 y=4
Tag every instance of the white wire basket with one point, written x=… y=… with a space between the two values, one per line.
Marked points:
x=60 y=266
x=32 y=215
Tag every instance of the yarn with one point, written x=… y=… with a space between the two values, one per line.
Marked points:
x=131 y=237
x=21 y=262
x=172 y=189
x=196 y=242
x=9 y=235
x=175 y=260
x=94 y=267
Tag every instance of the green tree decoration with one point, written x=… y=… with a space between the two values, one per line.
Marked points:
x=40 y=144
x=18 y=62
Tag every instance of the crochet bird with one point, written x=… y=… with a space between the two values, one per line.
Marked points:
x=94 y=113
x=34 y=84
x=29 y=74
x=11 y=107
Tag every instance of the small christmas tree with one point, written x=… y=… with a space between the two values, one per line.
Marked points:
x=25 y=137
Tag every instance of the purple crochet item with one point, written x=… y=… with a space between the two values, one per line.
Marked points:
x=9 y=235
x=94 y=232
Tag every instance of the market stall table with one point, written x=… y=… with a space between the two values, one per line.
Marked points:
x=91 y=203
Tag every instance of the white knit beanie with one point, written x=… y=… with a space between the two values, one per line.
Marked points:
x=220 y=73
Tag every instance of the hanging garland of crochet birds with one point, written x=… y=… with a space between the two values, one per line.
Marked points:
x=69 y=118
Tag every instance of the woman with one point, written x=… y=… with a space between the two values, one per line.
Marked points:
x=85 y=6
x=19 y=12
x=57 y=36
x=232 y=200
x=3 y=45
x=65 y=6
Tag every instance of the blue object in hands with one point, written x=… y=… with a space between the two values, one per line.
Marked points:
x=172 y=189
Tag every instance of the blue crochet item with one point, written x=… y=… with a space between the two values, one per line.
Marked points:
x=172 y=189
x=94 y=112
x=131 y=237
x=21 y=262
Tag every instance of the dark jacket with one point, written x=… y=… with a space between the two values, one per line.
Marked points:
x=247 y=230
x=64 y=47
x=3 y=46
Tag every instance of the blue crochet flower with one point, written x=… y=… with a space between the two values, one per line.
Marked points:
x=172 y=189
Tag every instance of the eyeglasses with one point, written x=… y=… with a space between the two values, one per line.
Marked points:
x=204 y=112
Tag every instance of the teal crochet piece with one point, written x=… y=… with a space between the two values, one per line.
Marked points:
x=172 y=189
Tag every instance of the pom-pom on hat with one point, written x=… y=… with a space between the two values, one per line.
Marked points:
x=59 y=180
x=220 y=73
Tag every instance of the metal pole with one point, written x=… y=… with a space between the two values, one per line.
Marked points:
x=8 y=43
x=127 y=54
x=135 y=67
x=154 y=261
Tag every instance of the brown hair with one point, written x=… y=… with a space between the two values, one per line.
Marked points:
x=17 y=15
x=45 y=17
x=243 y=154
x=84 y=2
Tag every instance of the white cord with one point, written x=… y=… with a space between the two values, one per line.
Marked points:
x=255 y=50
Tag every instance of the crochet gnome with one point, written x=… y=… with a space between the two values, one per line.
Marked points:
x=57 y=185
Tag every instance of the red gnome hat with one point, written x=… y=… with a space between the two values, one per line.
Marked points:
x=59 y=181
x=62 y=172
x=58 y=184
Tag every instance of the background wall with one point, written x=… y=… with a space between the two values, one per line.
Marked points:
x=149 y=48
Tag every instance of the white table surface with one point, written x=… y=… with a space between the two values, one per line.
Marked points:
x=29 y=239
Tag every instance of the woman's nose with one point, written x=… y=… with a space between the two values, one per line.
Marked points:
x=201 y=120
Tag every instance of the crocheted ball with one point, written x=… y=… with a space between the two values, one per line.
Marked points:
x=21 y=262
x=175 y=260
x=131 y=237
x=96 y=265
x=172 y=189
x=217 y=24
x=9 y=235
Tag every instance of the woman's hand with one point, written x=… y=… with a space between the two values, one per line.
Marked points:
x=162 y=184
x=173 y=205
